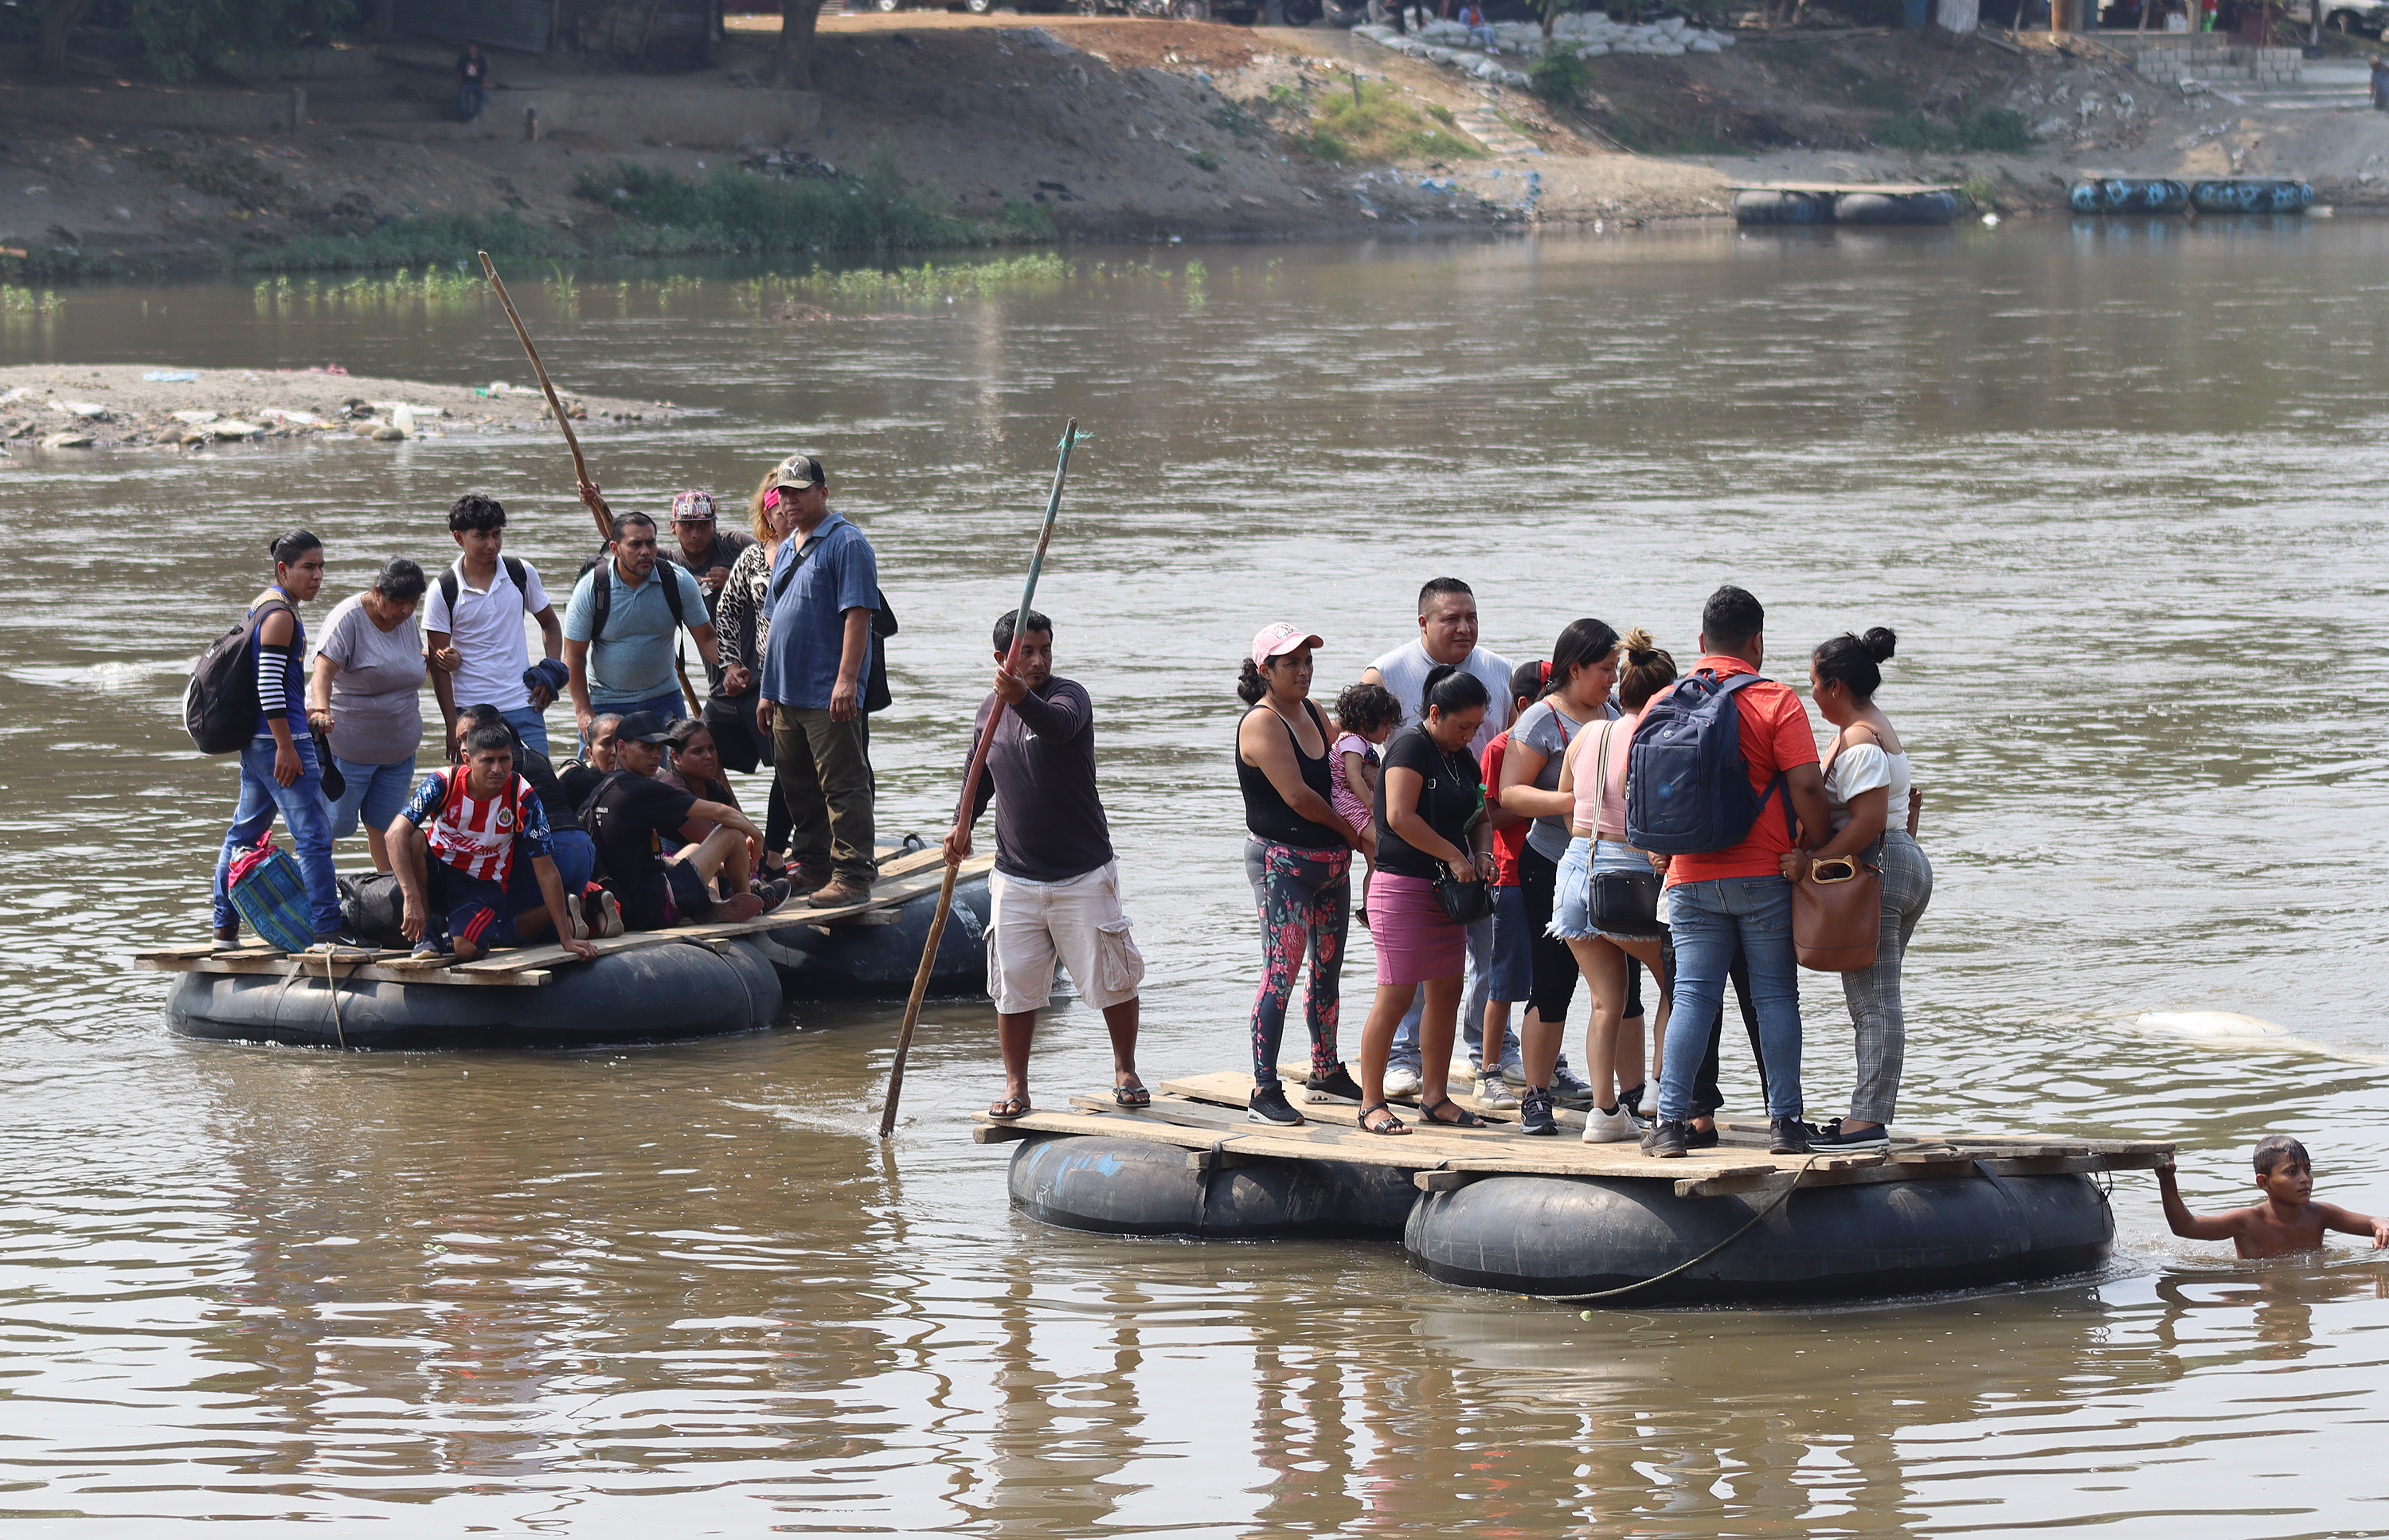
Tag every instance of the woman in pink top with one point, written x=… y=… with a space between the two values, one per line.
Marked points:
x=1605 y=904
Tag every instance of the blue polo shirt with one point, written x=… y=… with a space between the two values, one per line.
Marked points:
x=633 y=660
x=807 y=605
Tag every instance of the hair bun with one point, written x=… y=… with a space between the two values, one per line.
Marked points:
x=1879 y=644
x=1639 y=643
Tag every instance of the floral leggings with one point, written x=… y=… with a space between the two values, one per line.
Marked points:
x=1305 y=897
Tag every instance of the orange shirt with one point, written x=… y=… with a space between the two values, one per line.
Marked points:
x=1775 y=736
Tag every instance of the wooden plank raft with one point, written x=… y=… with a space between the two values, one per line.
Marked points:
x=1889 y=189
x=902 y=877
x=1205 y=1114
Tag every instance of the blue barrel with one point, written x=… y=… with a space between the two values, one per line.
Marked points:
x=1932 y=207
x=2251 y=195
x=1771 y=206
x=2130 y=195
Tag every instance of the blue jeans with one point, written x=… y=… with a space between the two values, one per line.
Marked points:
x=1707 y=921
x=531 y=728
x=301 y=806
x=375 y=793
x=469 y=103
x=576 y=859
x=670 y=707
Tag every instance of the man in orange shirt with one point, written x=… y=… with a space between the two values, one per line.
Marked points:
x=1716 y=898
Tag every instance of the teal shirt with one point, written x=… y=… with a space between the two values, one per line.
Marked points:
x=633 y=660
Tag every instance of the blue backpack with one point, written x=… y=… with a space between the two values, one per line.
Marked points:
x=1687 y=783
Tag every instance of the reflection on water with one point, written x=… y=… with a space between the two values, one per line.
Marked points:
x=2118 y=488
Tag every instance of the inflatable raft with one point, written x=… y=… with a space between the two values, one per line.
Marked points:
x=1821 y=203
x=2129 y=195
x=691 y=981
x=2251 y=195
x=1563 y=1220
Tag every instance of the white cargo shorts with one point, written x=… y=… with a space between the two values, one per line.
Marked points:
x=1080 y=922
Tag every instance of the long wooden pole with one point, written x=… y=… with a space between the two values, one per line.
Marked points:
x=970 y=789
x=579 y=466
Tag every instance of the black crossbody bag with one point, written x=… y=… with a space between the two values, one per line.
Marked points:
x=1622 y=903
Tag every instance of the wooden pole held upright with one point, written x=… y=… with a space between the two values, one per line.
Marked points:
x=579 y=466
x=970 y=791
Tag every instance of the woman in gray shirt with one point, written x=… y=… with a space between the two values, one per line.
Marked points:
x=364 y=691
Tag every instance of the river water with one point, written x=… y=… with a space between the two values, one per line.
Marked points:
x=2118 y=489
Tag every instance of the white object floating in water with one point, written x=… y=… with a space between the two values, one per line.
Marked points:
x=2206 y=1023
x=401 y=418
x=195 y=418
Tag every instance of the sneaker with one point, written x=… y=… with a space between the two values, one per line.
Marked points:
x=1697 y=1139
x=1666 y=1140
x=1630 y=1103
x=606 y=912
x=1535 y=1113
x=1787 y=1136
x=839 y=895
x=774 y=893
x=1831 y=1137
x=1336 y=1086
x=430 y=946
x=1268 y=1105
x=1402 y=1080
x=1494 y=1092
x=1515 y=1072
x=1570 y=1091
x=1613 y=1127
x=572 y=917
x=227 y=936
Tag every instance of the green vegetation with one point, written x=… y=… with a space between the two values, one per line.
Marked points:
x=1993 y=129
x=15 y=300
x=449 y=287
x=1559 y=77
x=1205 y=159
x=737 y=211
x=405 y=242
x=1980 y=191
x=1374 y=123
x=1647 y=137
x=928 y=281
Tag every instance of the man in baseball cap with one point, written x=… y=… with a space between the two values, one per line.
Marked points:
x=705 y=548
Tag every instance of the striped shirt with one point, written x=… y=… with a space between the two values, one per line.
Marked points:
x=479 y=836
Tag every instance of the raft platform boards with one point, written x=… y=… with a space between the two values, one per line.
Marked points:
x=901 y=878
x=1889 y=189
x=1205 y=1114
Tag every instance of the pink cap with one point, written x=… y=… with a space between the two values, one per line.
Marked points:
x=1278 y=638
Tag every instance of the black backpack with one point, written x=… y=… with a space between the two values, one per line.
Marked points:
x=220 y=704
x=601 y=594
x=448 y=587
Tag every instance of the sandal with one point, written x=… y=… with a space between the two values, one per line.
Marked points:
x=1466 y=1119
x=1009 y=1108
x=1132 y=1095
x=1392 y=1124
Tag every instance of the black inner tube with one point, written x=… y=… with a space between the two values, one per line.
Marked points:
x=1781 y=1198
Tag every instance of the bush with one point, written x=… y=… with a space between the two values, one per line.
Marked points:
x=1559 y=77
x=737 y=211
x=1993 y=129
x=411 y=243
x=1376 y=124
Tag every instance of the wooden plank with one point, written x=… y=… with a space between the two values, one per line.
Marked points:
x=1445 y=1181
x=1755 y=1179
x=1257 y=1142
x=997 y=1133
x=279 y=965
x=176 y=954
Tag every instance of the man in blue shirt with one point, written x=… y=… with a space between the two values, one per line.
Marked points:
x=824 y=594
x=625 y=663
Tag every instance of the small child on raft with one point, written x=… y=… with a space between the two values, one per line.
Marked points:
x=1366 y=715
x=2288 y=1220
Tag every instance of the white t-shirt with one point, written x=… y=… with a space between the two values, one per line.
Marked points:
x=487 y=629
x=1404 y=671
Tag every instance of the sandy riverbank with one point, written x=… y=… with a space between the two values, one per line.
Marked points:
x=64 y=408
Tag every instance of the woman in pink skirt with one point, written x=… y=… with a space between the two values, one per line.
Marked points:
x=1430 y=799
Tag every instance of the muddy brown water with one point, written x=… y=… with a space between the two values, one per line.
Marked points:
x=2119 y=490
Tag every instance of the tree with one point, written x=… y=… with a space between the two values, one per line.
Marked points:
x=795 y=60
x=59 y=24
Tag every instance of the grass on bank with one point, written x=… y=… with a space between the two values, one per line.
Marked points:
x=1371 y=122
x=1995 y=129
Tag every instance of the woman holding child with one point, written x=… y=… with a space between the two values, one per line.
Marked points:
x=1866 y=777
x=1299 y=861
x=1430 y=798
x=1606 y=909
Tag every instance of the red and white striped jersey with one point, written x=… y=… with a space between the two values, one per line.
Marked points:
x=476 y=835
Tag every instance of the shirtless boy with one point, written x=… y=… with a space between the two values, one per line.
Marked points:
x=2288 y=1220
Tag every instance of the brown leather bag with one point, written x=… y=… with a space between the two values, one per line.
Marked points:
x=1838 y=914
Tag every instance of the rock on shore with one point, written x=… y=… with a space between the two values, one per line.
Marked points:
x=66 y=407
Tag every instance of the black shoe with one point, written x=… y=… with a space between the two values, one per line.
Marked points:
x=1337 y=1085
x=1787 y=1136
x=1535 y=1112
x=1831 y=1137
x=1632 y=1101
x=1700 y=1138
x=1268 y=1105
x=1666 y=1139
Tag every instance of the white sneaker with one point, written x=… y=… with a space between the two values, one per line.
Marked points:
x=1400 y=1081
x=1495 y=1092
x=572 y=913
x=1614 y=1127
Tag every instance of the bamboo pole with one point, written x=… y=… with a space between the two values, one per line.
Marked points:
x=579 y=466
x=970 y=790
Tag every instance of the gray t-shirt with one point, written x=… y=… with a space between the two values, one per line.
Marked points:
x=1543 y=728
x=376 y=718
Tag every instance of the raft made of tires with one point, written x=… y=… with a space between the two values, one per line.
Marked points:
x=1135 y=1187
x=655 y=994
x=1929 y=208
x=2251 y=195
x=877 y=961
x=1824 y=204
x=1775 y=206
x=2129 y=195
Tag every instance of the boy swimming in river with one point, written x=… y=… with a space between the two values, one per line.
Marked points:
x=2288 y=1220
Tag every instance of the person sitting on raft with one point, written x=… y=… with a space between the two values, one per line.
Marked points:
x=692 y=764
x=472 y=821
x=580 y=776
x=633 y=813
x=2288 y=1220
x=574 y=852
x=1055 y=888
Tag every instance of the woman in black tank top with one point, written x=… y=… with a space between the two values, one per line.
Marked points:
x=1299 y=861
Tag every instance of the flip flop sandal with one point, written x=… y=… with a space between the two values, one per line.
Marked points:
x=1392 y=1124
x=1466 y=1119
x=1010 y=1108
x=1133 y=1095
